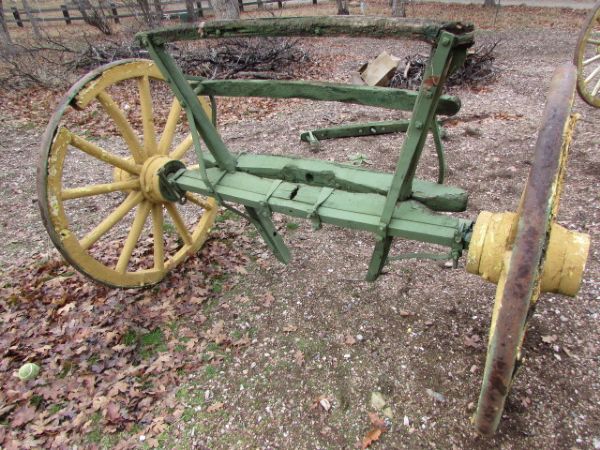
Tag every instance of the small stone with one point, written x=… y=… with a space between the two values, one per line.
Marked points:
x=435 y=395
x=406 y=421
x=360 y=337
x=377 y=401
x=471 y=131
x=597 y=443
x=142 y=438
x=387 y=412
x=325 y=404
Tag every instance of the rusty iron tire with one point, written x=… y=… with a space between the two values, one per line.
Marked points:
x=519 y=285
x=586 y=43
x=132 y=179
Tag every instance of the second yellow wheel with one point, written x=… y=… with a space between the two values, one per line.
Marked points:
x=97 y=177
x=587 y=58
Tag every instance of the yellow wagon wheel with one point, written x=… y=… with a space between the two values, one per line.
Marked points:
x=526 y=253
x=587 y=59
x=97 y=178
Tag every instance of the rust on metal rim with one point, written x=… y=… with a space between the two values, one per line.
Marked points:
x=526 y=260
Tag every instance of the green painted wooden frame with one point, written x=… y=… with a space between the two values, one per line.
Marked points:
x=388 y=205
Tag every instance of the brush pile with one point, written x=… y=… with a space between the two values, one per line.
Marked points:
x=477 y=70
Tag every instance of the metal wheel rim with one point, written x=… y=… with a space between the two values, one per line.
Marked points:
x=519 y=286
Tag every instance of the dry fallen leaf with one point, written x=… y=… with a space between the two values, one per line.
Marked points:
x=197 y=300
x=299 y=357
x=243 y=341
x=112 y=412
x=22 y=416
x=289 y=328
x=349 y=340
x=268 y=300
x=377 y=421
x=472 y=341
x=549 y=339
x=321 y=401
x=371 y=437
x=215 y=407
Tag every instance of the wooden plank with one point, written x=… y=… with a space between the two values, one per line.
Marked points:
x=399 y=99
x=425 y=30
x=411 y=220
x=438 y=197
x=357 y=129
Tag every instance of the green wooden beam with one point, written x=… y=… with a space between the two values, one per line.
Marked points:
x=411 y=219
x=430 y=91
x=189 y=101
x=425 y=30
x=438 y=197
x=357 y=130
x=391 y=98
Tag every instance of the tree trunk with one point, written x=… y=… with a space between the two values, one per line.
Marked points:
x=32 y=19
x=226 y=9
x=191 y=12
x=398 y=8
x=5 y=40
x=342 y=6
x=489 y=3
x=158 y=10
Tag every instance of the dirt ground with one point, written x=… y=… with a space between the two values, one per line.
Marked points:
x=323 y=340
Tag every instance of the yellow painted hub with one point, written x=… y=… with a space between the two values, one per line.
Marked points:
x=150 y=180
x=564 y=263
x=488 y=244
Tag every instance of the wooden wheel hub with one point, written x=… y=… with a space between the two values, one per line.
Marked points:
x=563 y=266
x=151 y=179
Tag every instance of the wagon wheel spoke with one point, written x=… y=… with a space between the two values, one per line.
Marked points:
x=182 y=148
x=157 y=231
x=133 y=236
x=592 y=75
x=102 y=155
x=179 y=223
x=197 y=200
x=147 y=115
x=132 y=200
x=166 y=139
x=123 y=125
x=98 y=189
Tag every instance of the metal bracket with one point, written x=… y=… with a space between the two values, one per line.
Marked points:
x=313 y=215
x=167 y=176
x=271 y=191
